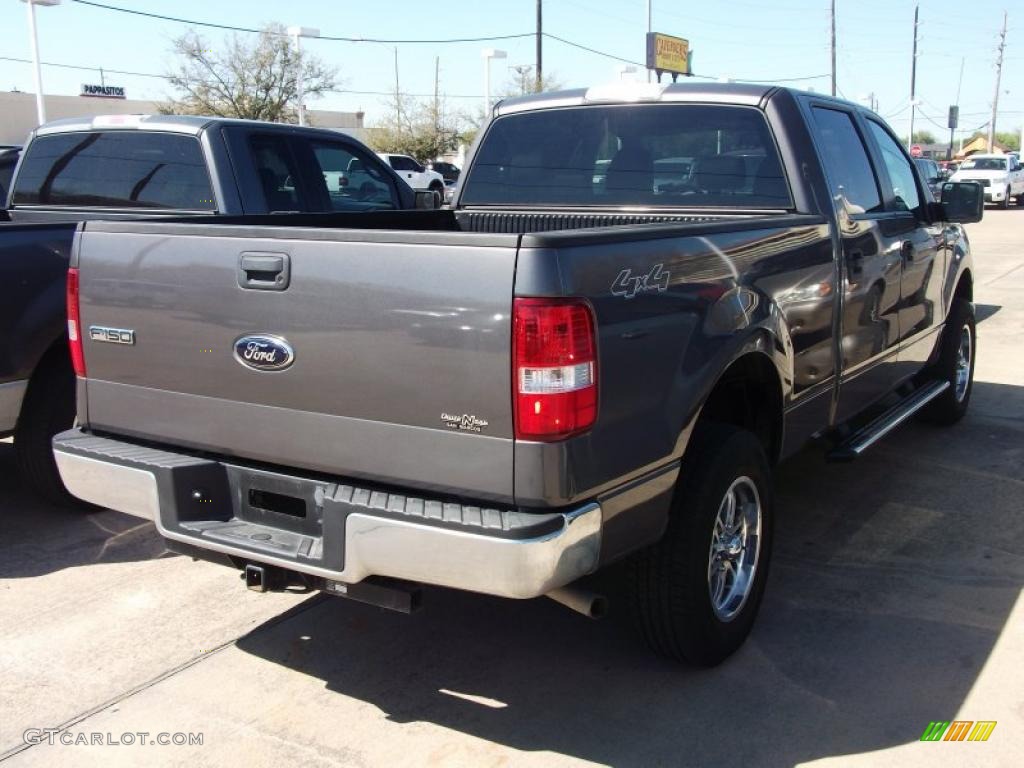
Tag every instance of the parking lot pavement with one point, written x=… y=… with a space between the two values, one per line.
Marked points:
x=895 y=600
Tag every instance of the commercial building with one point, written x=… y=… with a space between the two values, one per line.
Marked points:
x=18 y=113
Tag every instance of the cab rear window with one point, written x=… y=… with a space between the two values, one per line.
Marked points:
x=671 y=155
x=115 y=169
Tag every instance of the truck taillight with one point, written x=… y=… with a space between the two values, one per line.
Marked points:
x=75 y=324
x=554 y=369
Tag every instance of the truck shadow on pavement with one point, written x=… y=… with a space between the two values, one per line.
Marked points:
x=37 y=538
x=892 y=579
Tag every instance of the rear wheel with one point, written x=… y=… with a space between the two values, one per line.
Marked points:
x=696 y=593
x=955 y=365
x=49 y=408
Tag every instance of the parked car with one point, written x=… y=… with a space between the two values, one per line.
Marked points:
x=932 y=175
x=1001 y=177
x=449 y=171
x=414 y=174
x=122 y=167
x=556 y=374
x=8 y=159
x=358 y=180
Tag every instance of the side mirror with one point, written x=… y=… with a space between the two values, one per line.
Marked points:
x=963 y=202
x=427 y=200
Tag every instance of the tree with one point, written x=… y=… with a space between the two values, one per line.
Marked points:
x=921 y=137
x=424 y=129
x=252 y=79
x=524 y=82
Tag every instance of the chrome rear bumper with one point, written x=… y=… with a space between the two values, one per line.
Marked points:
x=506 y=553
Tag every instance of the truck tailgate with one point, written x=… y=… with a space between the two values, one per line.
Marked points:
x=400 y=369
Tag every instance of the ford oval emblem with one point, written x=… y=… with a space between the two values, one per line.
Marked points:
x=264 y=353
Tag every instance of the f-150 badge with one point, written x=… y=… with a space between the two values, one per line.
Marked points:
x=629 y=285
x=264 y=353
x=465 y=422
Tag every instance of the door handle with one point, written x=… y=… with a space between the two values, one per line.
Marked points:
x=855 y=263
x=907 y=250
x=264 y=271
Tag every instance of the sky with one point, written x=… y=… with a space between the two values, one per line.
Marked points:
x=740 y=39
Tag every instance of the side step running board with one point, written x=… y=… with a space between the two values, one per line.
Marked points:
x=871 y=433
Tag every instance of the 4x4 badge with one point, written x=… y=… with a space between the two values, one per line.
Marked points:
x=628 y=286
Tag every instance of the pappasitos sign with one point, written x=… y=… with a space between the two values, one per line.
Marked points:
x=666 y=53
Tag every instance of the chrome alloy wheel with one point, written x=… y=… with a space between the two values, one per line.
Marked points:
x=735 y=546
x=963 y=365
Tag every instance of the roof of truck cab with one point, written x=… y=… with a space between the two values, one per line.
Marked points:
x=187 y=124
x=745 y=94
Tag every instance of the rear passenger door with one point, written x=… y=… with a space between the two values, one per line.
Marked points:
x=921 y=245
x=870 y=266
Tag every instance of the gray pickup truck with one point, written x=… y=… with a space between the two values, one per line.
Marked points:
x=577 y=364
x=140 y=166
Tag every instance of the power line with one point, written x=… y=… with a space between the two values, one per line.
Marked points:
x=335 y=38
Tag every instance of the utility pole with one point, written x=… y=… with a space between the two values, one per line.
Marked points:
x=398 y=95
x=995 y=98
x=913 y=81
x=833 y=47
x=437 y=101
x=649 y=30
x=540 y=48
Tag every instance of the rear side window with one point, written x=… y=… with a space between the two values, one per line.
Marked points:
x=846 y=160
x=660 y=155
x=901 y=174
x=115 y=169
x=275 y=168
x=353 y=181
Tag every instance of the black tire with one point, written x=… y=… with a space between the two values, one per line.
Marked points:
x=1020 y=200
x=670 y=581
x=436 y=186
x=1005 y=202
x=48 y=408
x=949 y=407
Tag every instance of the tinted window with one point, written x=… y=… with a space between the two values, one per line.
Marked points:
x=116 y=169
x=353 y=180
x=403 y=163
x=984 y=164
x=276 y=171
x=901 y=174
x=677 y=155
x=846 y=160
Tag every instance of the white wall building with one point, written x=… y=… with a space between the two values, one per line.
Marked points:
x=18 y=113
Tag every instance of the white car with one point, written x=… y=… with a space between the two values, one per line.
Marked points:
x=414 y=174
x=1001 y=176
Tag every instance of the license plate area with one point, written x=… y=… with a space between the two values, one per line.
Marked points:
x=286 y=503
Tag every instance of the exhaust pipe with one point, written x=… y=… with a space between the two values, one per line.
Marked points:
x=591 y=605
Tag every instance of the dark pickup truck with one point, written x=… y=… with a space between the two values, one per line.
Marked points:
x=134 y=166
x=642 y=300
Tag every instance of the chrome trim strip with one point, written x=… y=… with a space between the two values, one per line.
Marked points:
x=376 y=546
x=11 y=395
x=888 y=422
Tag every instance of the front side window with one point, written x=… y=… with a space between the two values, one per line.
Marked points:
x=402 y=163
x=901 y=173
x=353 y=180
x=115 y=169
x=846 y=160
x=659 y=155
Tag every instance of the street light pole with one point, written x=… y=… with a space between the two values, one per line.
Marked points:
x=33 y=35
x=488 y=54
x=297 y=33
